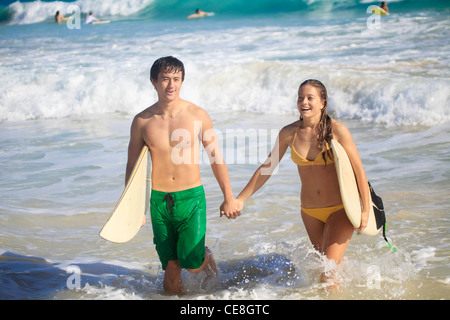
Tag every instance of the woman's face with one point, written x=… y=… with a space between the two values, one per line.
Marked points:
x=309 y=102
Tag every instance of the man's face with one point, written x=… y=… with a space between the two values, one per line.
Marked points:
x=168 y=85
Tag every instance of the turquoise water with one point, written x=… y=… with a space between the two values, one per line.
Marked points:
x=67 y=98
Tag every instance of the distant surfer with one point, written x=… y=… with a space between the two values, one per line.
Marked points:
x=381 y=10
x=174 y=129
x=90 y=18
x=385 y=8
x=309 y=138
x=59 y=17
x=199 y=14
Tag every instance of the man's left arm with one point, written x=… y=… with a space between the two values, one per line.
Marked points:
x=219 y=168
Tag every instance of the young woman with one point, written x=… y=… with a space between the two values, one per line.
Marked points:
x=309 y=138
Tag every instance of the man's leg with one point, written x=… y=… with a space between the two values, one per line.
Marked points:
x=172 y=278
x=209 y=265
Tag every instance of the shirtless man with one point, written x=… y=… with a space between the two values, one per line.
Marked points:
x=173 y=128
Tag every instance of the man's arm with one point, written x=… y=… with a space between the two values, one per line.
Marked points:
x=134 y=148
x=135 y=145
x=219 y=168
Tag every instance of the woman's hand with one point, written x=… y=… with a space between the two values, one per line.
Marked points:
x=364 y=220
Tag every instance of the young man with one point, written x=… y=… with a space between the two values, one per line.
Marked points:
x=173 y=128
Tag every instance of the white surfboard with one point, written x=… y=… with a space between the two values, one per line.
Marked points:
x=101 y=21
x=126 y=219
x=199 y=16
x=349 y=190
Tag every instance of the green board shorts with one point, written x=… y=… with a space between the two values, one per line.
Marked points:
x=179 y=226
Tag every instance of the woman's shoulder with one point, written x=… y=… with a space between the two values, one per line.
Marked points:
x=287 y=133
x=291 y=126
x=339 y=130
x=289 y=130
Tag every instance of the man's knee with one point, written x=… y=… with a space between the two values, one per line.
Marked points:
x=206 y=261
x=197 y=270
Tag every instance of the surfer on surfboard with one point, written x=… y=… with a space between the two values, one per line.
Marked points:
x=322 y=211
x=199 y=14
x=90 y=18
x=174 y=129
x=384 y=7
x=59 y=18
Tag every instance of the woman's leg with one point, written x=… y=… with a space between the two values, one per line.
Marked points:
x=336 y=235
x=314 y=228
x=330 y=238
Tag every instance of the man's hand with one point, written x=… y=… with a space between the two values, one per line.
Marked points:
x=231 y=209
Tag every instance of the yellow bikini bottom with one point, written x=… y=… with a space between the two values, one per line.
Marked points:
x=322 y=213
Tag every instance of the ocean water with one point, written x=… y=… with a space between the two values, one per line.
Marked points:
x=68 y=95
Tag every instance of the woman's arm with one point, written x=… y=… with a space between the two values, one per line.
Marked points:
x=264 y=172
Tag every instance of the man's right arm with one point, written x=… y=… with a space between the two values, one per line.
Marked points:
x=134 y=148
x=135 y=145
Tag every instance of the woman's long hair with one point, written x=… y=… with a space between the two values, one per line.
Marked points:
x=323 y=130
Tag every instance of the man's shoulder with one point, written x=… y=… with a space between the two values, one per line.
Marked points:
x=147 y=113
x=190 y=106
x=195 y=110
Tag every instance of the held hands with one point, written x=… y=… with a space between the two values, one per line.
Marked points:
x=231 y=209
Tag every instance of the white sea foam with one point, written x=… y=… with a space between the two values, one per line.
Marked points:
x=251 y=69
x=38 y=11
x=67 y=98
x=255 y=87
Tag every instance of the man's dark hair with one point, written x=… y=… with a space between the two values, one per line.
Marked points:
x=166 y=64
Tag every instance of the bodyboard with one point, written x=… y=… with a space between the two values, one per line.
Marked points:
x=349 y=191
x=126 y=219
x=379 y=11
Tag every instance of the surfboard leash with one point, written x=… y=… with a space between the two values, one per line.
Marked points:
x=380 y=215
x=385 y=238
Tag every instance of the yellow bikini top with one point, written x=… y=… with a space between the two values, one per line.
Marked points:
x=318 y=161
